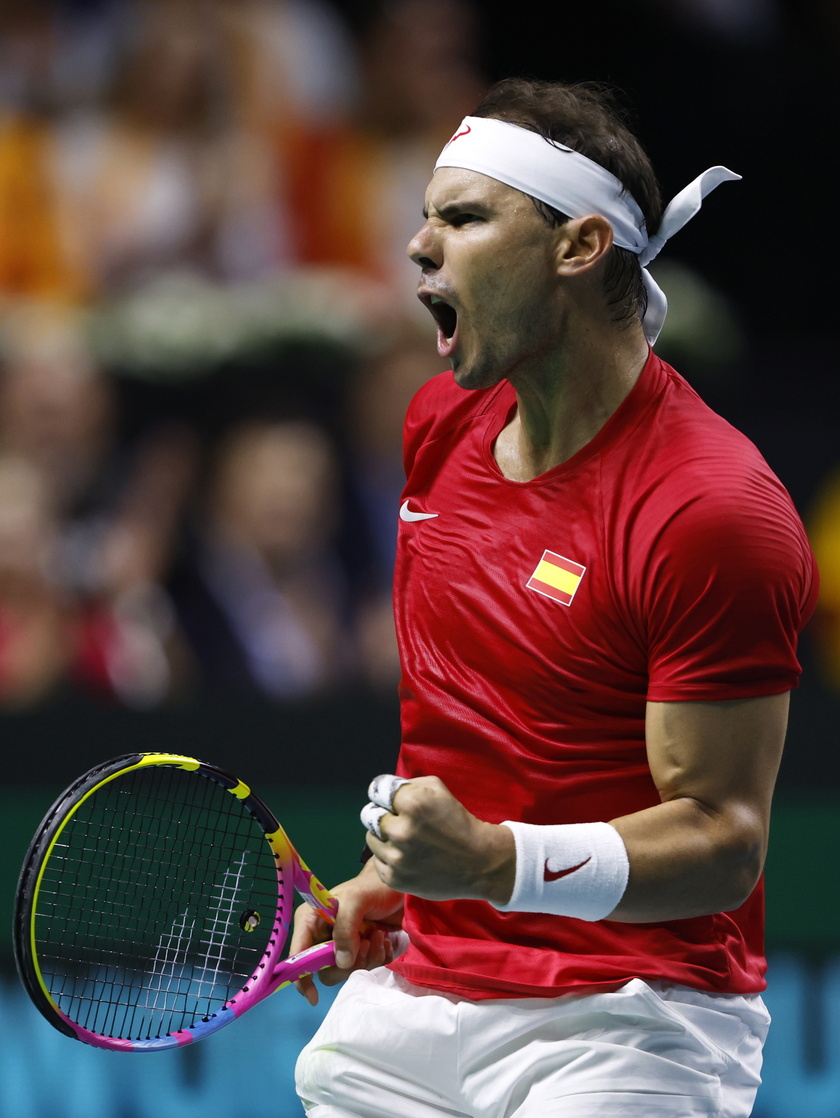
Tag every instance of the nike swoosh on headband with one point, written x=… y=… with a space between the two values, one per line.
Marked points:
x=410 y=515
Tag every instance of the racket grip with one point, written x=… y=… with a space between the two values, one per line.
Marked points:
x=308 y=961
x=321 y=955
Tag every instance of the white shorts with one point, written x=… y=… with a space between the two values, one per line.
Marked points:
x=388 y=1049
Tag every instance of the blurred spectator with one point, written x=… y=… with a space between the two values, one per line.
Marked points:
x=51 y=640
x=38 y=625
x=261 y=595
x=358 y=183
x=147 y=659
x=295 y=61
x=160 y=177
x=51 y=62
x=140 y=138
x=57 y=407
x=33 y=264
x=115 y=510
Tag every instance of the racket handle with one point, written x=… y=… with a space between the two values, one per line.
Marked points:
x=321 y=955
x=304 y=962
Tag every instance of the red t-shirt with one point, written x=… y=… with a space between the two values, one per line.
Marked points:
x=664 y=561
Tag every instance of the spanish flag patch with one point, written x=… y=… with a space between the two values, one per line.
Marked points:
x=556 y=577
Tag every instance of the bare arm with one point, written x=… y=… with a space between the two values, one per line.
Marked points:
x=700 y=850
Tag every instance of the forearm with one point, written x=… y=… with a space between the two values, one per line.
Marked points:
x=688 y=860
x=676 y=860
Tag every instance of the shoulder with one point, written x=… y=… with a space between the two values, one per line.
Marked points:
x=712 y=530
x=700 y=508
x=709 y=554
x=694 y=468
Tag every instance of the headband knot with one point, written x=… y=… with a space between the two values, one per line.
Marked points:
x=576 y=185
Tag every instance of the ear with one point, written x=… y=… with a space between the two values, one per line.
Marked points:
x=582 y=243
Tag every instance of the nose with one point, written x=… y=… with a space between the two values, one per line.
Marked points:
x=424 y=250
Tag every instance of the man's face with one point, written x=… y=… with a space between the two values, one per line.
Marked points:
x=488 y=277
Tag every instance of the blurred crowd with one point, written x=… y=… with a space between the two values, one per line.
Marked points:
x=208 y=336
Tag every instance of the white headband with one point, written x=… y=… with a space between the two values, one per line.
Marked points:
x=577 y=186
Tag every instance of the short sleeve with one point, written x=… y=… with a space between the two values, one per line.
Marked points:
x=729 y=586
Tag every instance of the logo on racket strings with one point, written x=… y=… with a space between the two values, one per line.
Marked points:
x=249 y=921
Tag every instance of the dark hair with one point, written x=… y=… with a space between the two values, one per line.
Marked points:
x=585 y=116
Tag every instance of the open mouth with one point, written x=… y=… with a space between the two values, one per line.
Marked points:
x=446 y=318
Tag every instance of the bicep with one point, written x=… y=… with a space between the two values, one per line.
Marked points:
x=702 y=848
x=724 y=755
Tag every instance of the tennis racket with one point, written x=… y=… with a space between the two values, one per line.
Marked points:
x=154 y=903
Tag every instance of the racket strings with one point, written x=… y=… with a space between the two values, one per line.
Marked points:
x=156 y=904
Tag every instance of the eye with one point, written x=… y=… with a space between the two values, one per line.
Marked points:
x=463 y=219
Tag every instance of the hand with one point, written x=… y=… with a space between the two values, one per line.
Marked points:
x=366 y=908
x=432 y=847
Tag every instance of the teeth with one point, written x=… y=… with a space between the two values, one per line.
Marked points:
x=436 y=299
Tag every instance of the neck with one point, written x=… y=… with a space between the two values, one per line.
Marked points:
x=562 y=406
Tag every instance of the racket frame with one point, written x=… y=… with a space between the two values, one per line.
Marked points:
x=272 y=971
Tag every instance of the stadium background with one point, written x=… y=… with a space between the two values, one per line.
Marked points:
x=284 y=318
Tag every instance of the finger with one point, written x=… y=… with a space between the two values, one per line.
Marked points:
x=346 y=935
x=352 y=960
x=347 y=953
x=371 y=817
x=307 y=989
x=308 y=928
x=383 y=788
x=377 y=954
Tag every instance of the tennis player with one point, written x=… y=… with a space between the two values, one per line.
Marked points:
x=599 y=590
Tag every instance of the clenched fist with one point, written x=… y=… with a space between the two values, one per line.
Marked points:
x=432 y=847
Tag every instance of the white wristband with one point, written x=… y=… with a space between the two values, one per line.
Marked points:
x=570 y=869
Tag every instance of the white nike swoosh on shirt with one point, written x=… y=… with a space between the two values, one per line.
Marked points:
x=407 y=514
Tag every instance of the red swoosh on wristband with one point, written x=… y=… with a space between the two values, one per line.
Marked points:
x=555 y=875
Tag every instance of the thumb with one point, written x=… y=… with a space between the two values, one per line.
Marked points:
x=347 y=934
